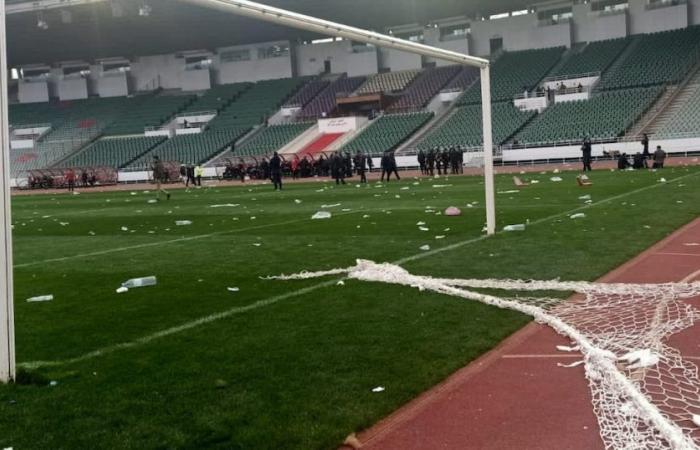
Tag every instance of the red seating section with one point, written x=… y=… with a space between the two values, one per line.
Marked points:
x=320 y=144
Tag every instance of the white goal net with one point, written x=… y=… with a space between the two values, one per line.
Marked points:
x=645 y=395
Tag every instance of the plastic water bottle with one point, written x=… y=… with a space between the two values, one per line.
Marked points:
x=140 y=282
x=517 y=227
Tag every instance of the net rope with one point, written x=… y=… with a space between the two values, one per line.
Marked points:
x=645 y=395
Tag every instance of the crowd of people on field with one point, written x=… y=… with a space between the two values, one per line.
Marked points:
x=446 y=161
x=640 y=160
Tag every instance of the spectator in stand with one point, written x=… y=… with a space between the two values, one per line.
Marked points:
x=638 y=161
x=579 y=88
x=622 y=162
x=198 y=173
x=159 y=176
x=587 y=150
x=276 y=170
x=70 y=179
x=659 y=158
x=421 y=161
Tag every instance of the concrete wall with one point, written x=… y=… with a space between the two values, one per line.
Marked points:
x=112 y=85
x=310 y=59
x=518 y=33
x=591 y=26
x=72 y=88
x=163 y=70
x=255 y=69
x=396 y=60
x=661 y=19
x=694 y=12
x=195 y=80
x=33 y=92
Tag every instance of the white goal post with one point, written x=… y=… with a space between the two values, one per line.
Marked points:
x=309 y=23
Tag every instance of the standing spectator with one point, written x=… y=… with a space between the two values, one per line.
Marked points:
x=645 y=146
x=198 y=172
x=431 y=162
x=183 y=174
x=659 y=158
x=190 y=175
x=587 y=150
x=360 y=161
x=385 y=166
x=338 y=168
x=421 y=161
x=84 y=178
x=370 y=163
x=276 y=171
x=70 y=179
x=393 y=167
x=159 y=177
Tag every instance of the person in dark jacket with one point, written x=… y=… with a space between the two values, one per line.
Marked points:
x=421 y=161
x=338 y=168
x=360 y=163
x=190 y=175
x=385 y=166
x=659 y=158
x=645 y=146
x=276 y=171
x=159 y=176
x=431 y=162
x=587 y=150
x=622 y=162
x=393 y=167
x=638 y=161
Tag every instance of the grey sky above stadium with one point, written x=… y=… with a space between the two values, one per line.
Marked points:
x=93 y=31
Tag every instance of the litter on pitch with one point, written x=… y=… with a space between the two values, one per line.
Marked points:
x=320 y=215
x=227 y=205
x=183 y=223
x=516 y=227
x=577 y=216
x=556 y=179
x=453 y=211
x=122 y=290
x=425 y=248
x=140 y=282
x=40 y=298
x=378 y=389
x=233 y=289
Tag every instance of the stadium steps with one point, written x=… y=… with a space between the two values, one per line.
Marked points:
x=643 y=124
x=347 y=137
x=414 y=141
x=682 y=96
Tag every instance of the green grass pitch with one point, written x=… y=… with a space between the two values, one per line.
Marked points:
x=188 y=364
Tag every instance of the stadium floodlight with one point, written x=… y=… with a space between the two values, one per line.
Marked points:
x=291 y=19
x=7 y=332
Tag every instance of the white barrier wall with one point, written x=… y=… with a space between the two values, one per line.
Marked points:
x=339 y=125
x=151 y=72
x=396 y=60
x=112 y=85
x=694 y=12
x=571 y=82
x=531 y=103
x=253 y=69
x=195 y=80
x=33 y=92
x=311 y=58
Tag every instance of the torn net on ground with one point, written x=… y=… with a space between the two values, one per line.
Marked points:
x=644 y=394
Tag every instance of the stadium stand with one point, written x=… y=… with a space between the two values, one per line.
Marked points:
x=190 y=148
x=307 y=93
x=388 y=82
x=424 y=88
x=147 y=111
x=513 y=72
x=218 y=97
x=685 y=120
x=464 y=79
x=657 y=58
x=387 y=132
x=595 y=57
x=603 y=117
x=464 y=126
x=271 y=139
x=325 y=101
x=113 y=152
x=256 y=104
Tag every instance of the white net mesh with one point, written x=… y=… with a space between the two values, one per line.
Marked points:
x=645 y=395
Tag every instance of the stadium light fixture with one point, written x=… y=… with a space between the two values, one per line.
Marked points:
x=7 y=331
x=303 y=22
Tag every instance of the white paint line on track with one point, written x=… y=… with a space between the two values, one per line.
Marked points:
x=576 y=355
x=273 y=300
x=678 y=254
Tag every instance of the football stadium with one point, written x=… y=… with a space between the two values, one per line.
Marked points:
x=323 y=224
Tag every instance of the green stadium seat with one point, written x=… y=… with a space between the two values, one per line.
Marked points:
x=387 y=133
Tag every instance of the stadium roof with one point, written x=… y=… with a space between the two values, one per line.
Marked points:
x=92 y=31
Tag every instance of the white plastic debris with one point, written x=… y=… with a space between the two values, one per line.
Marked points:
x=321 y=215
x=585 y=197
x=335 y=205
x=63 y=224
x=440 y=237
x=227 y=205
x=341 y=283
x=556 y=179
x=122 y=290
x=577 y=216
x=378 y=389
x=696 y=419
x=662 y=180
x=133 y=193
x=692 y=244
x=183 y=223
x=564 y=348
x=534 y=181
x=40 y=298
x=257 y=244
x=424 y=228
x=124 y=229
x=640 y=358
x=297 y=201
x=509 y=192
x=140 y=282
x=425 y=248
x=438 y=186
x=53 y=383
x=420 y=224
x=453 y=211
x=153 y=200
x=366 y=216
x=233 y=289
x=516 y=227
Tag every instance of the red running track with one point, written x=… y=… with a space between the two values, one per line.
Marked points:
x=515 y=396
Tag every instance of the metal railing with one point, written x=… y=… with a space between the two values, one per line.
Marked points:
x=572 y=76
